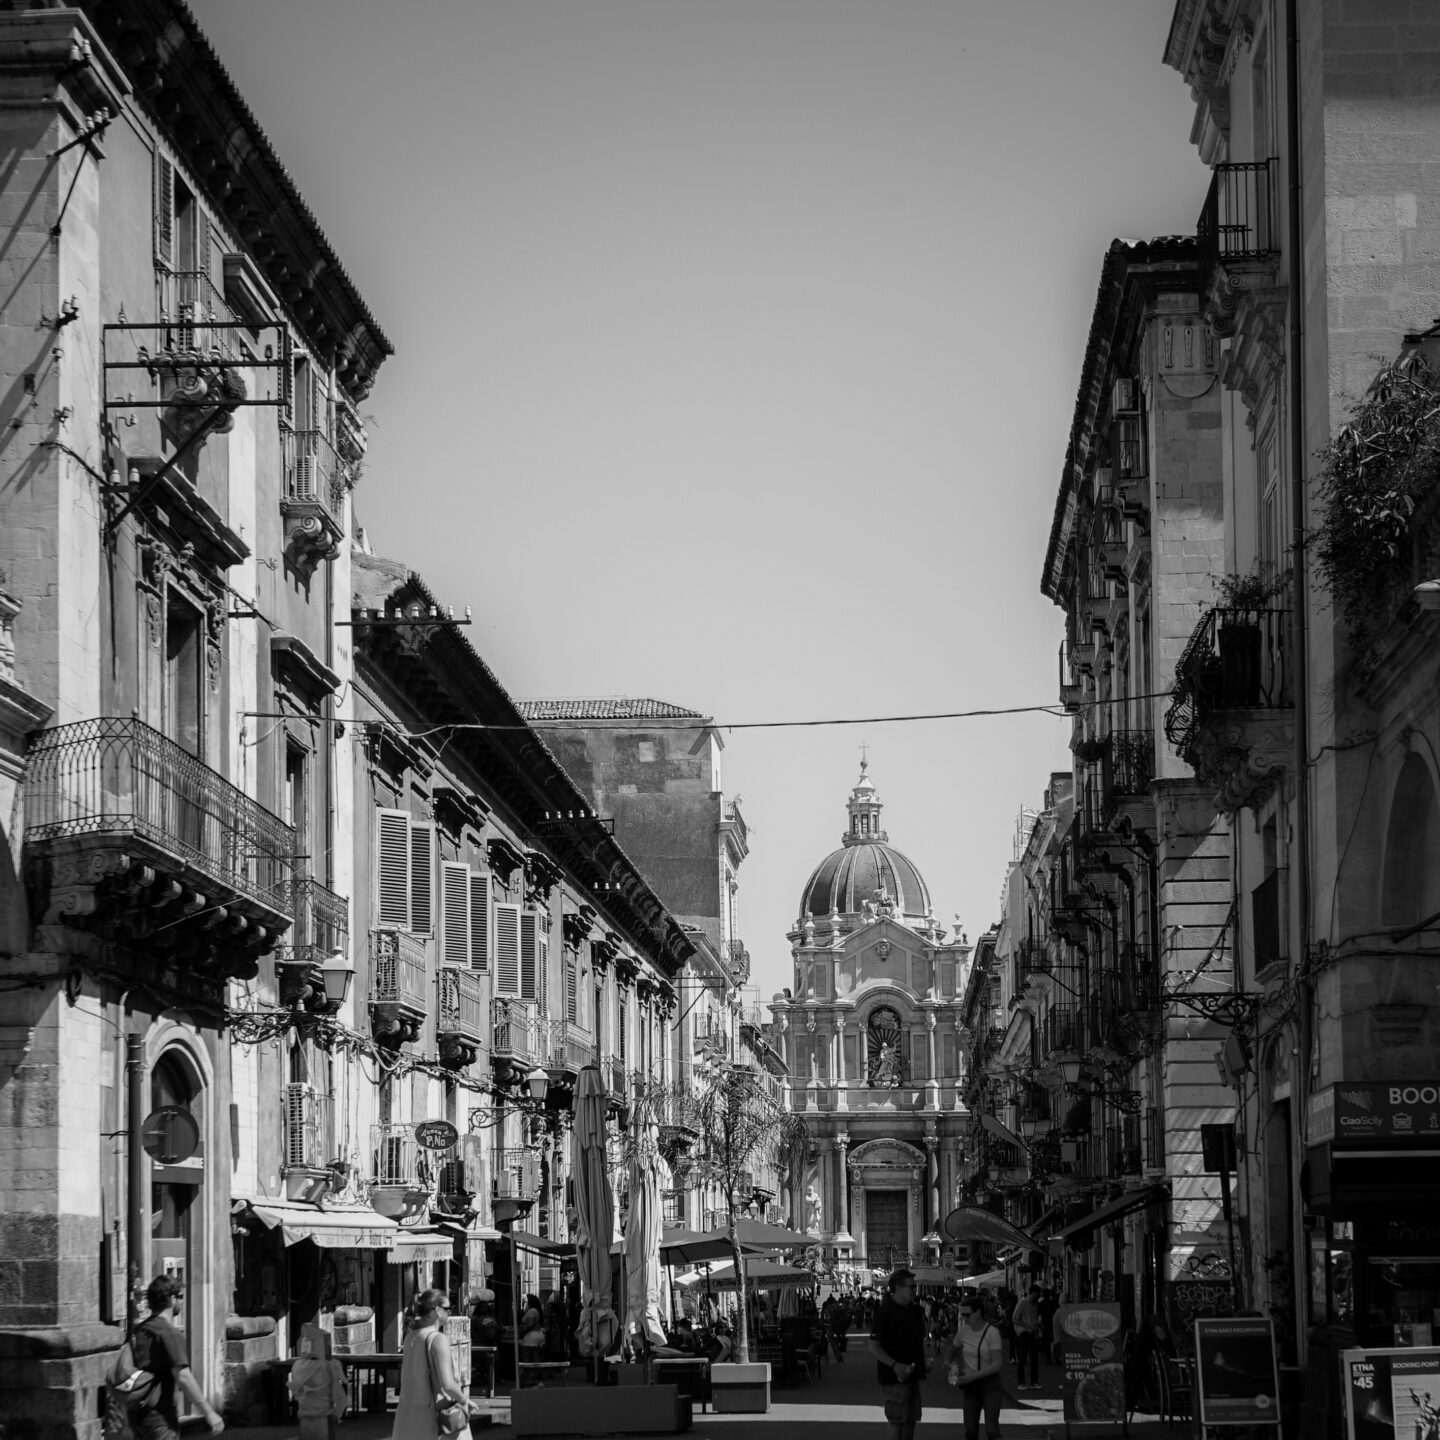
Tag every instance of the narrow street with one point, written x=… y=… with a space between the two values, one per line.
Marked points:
x=844 y=1395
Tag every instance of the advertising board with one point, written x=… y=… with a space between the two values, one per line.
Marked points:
x=1391 y=1393
x=1237 y=1377
x=1368 y=1112
x=1094 y=1386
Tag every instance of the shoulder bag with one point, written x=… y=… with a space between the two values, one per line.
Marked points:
x=451 y=1416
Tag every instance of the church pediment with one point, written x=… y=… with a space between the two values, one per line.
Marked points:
x=886 y=1154
x=881 y=943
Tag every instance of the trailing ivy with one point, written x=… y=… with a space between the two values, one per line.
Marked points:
x=1373 y=474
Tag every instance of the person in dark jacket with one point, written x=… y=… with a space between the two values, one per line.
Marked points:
x=169 y=1361
x=897 y=1342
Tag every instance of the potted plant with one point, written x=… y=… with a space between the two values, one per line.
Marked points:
x=1238 y=637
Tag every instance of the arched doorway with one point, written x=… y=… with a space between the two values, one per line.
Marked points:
x=176 y=1190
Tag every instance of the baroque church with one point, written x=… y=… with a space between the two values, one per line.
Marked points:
x=871 y=1033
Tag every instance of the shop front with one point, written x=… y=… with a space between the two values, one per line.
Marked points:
x=1371 y=1184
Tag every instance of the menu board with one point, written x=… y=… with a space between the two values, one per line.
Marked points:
x=1391 y=1394
x=1090 y=1352
x=1236 y=1374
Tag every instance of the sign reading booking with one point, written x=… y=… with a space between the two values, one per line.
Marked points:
x=1361 y=1112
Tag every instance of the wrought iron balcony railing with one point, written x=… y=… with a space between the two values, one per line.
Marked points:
x=516 y=1173
x=398 y=977
x=1237 y=659
x=321 y=925
x=461 y=1000
x=314 y=471
x=116 y=777
x=514 y=1032
x=1062 y=1031
x=194 y=309
x=1237 y=223
x=1127 y=766
x=395 y=1156
x=739 y=959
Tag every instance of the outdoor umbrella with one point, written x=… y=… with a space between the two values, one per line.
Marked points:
x=761 y=1273
x=690 y=1247
x=594 y=1217
x=642 y=1233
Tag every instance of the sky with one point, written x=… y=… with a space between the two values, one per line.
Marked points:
x=737 y=343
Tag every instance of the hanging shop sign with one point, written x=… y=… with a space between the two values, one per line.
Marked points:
x=1369 y=1112
x=1390 y=1394
x=436 y=1135
x=1237 y=1375
x=1090 y=1352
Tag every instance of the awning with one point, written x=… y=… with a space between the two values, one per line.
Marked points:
x=422 y=1245
x=350 y=1227
x=970 y=1222
x=990 y=1280
x=538 y=1245
x=1000 y=1128
x=1115 y=1210
x=1038 y=1228
x=462 y=1232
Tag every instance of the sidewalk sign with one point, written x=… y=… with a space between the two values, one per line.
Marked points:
x=1390 y=1393
x=1094 y=1387
x=1237 y=1376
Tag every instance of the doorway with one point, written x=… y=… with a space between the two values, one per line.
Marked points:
x=887 y=1227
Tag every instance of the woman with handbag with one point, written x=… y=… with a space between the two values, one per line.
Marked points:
x=432 y=1404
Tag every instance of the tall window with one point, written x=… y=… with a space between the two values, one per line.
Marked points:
x=1268 y=477
x=183 y=660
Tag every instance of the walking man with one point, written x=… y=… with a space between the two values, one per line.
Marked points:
x=170 y=1363
x=898 y=1344
x=1027 y=1323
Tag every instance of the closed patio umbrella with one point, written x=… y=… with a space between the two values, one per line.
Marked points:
x=594 y=1216
x=642 y=1233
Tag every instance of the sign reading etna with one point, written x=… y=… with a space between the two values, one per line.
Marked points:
x=1366 y=1112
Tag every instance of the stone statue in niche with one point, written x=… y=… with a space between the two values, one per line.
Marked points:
x=887 y=1067
x=812 y=1211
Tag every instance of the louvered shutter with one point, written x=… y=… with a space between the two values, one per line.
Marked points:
x=455 y=913
x=542 y=966
x=202 y=248
x=422 y=879
x=479 y=921
x=393 y=870
x=572 y=990
x=164 y=200
x=299 y=1122
x=507 y=949
x=527 y=955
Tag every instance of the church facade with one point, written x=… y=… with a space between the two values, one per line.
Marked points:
x=871 y=1035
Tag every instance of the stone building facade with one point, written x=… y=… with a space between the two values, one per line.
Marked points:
x=871 y=1039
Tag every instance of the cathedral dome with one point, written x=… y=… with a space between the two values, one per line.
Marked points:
x=866 y=869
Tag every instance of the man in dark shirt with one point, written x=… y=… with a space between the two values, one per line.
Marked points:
x=898 y=1344
x=170 y=1364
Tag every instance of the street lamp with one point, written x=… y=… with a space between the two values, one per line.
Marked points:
x=336 y=977
x=539 y=1083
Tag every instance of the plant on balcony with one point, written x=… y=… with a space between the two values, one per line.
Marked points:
x=1373 y=474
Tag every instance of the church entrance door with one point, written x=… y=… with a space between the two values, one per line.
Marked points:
x=887 y=1229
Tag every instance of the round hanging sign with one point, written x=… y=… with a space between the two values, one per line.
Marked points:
x=170 y=1135
x=436 y=1135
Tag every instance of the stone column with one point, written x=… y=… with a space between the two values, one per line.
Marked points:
x=841 y=1082
x=932 y=1084
x=842 y=1212
x=932 y=1185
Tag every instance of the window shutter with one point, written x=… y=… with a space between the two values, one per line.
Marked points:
x=479 y=921
x=572 y=989
x=507 y=949
x=164 y=196
x=422 y=878
x=542 y=965
x=299 y=1124
x=393 y=879
x=527 y=955
x=202 y=249
x=455 y=913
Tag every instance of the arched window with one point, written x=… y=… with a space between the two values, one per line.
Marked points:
x=884 y=1048
x=1410 y=889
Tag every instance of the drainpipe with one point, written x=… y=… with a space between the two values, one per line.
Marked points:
x=135 y=1180
x=1298 y=633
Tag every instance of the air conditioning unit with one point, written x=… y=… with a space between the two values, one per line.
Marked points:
x=1125 y=398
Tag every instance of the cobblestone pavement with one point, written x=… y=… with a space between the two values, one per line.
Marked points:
x=842 y=1404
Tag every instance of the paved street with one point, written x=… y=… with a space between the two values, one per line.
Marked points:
x=845 y=1396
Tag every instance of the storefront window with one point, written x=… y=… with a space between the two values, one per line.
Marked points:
x=1402 y=1295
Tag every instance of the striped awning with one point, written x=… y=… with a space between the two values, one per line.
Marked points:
x=356 y=1227
x=422 y=1245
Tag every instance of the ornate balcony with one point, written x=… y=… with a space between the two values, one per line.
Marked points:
x=316 y=482
x=460 y=1016
x=739 y=960
x=516 y=1174
x=515 y=1040
x=400 y=1178
x=1231 y=718
x=131 y=837
x=398 y=1003
x=1127 y=766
